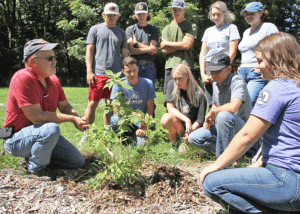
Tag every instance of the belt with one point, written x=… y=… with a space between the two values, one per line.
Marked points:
x=144 y=62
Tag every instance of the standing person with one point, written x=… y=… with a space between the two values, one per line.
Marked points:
x=142 y=40
x=223 y=37
x=141 y=97
x=34 y=96
x=185 y=102
x=177 y=40
x=254 y=14
x=272 y=184
x=104 y=44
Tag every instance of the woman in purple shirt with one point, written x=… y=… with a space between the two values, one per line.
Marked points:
x=272 y=184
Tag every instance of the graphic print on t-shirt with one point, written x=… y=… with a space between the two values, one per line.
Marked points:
x=134 y=98
x=214 y=45
x=263 y=98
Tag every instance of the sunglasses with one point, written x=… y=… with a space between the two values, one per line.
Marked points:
x=215 y=72
x=50 y=58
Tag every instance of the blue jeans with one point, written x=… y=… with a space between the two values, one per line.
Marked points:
x=255 y=190
x=148 y=71
x=43 y=145
x=254 y=84
x=140 y=140
x=217 y=138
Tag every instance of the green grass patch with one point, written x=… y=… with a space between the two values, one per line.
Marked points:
x=159 y=153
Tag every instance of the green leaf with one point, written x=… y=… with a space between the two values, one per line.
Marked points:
x=135 y=119
x=109 y=72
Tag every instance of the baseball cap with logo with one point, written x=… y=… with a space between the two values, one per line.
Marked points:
x=178 y=4
x=111 y=8
x=217 y=62
x=252 y=7
x=34 y=45
x=141 y=7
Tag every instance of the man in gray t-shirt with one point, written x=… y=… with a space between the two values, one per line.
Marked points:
x=230 y=111
x=142 y=40
x=104 y=44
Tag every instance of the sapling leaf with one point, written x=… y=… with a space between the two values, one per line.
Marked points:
x=109 y=72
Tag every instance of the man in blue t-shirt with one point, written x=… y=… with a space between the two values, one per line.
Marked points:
x=141 y=96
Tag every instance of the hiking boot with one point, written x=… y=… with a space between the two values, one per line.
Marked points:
x=43 y=175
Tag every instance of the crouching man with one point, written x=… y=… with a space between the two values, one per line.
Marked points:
x=141 y=97
x=34 y=95
x=230 y=111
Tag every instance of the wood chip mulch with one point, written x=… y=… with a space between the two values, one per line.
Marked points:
x=168 y=190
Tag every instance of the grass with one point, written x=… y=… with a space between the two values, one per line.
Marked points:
x=78 y=98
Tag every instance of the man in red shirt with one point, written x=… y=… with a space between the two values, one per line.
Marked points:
x=34 y=95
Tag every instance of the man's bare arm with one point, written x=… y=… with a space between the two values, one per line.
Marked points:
x=233 y=106
x=124 y=53
x=89 y=55
x=142 y=48
x=185 y=44
x=37 y=116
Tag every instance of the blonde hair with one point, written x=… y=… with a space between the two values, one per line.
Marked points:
x=192 y=85
x=282 y=53
x=229 y=16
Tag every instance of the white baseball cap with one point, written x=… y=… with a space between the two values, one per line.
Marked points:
x=111 y=8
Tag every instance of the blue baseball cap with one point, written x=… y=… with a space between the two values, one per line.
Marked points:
x=34 y=45
x=178 y=4
x=252 y=7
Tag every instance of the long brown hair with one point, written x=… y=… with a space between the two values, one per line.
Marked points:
x=282 y=53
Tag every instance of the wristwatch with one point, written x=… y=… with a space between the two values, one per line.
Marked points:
x=135 y=45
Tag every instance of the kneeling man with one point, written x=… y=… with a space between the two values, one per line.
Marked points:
x=33 y=97
x=141 y=96
x=230 y=111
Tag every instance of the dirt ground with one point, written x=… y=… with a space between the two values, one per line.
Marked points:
x=168 y=190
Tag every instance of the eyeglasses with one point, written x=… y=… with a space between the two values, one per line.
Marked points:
x=50 y=58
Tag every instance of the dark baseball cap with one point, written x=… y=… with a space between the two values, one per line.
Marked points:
x=141 y=7
x=178 y=4
x=217 y=62
x=37 y=44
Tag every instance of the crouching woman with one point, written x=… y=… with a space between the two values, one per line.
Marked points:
x=185 y=102
x=272 y=184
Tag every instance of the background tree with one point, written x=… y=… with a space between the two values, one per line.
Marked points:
x=68 y=22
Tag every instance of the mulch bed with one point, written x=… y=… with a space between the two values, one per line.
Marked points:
x=167 y=190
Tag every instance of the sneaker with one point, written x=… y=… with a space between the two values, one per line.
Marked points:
x=174 y=147
x=183 y=148
x=23 y=163
x=83 y=139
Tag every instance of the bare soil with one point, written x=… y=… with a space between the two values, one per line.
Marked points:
x=168 y=190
